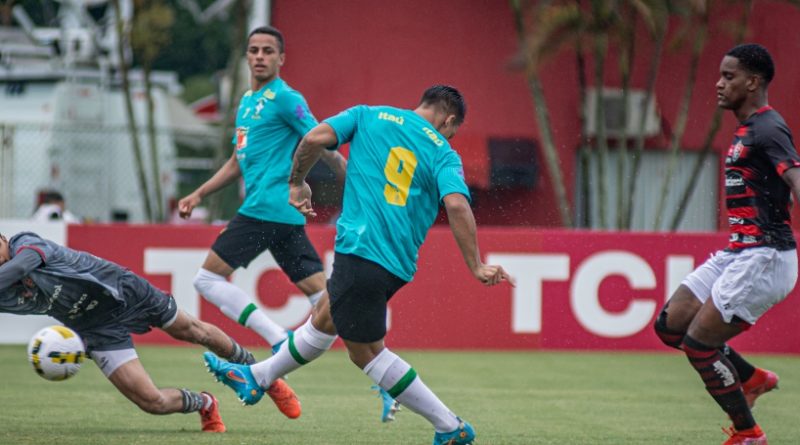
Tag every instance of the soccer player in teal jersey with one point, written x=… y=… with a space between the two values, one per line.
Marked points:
x=400 y=168
x=271 y=120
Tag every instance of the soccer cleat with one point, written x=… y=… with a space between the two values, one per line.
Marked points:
x=210 y=419
x=751 y=436
x=285 y=399
x=463 y=435
x=390 y=405
x=236 y=377
x=761 y=382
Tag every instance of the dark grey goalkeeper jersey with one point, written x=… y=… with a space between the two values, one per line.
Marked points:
x=97 y=298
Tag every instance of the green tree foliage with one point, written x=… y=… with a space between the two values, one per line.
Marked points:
x=195 y=49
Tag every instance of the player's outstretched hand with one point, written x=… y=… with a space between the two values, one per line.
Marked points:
x=491 y=275
x=187 y=204
x=300 y=198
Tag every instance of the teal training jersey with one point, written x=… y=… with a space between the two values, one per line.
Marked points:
x=398 y=171
x=269 y=124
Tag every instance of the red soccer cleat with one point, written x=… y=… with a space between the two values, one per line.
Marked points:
x=285 y=399
x=210 y=419
x=752 y=436
x=761 y=382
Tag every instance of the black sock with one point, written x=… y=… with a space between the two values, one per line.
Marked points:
x=743 y=367
x=721 y=380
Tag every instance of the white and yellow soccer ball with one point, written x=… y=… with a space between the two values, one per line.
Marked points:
x=56 y=352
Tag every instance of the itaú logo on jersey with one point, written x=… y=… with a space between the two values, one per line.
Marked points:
x=391 y=118
x=431 y=134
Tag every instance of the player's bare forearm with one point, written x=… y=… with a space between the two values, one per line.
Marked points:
x=309 y=151
x=228 y=173
x=462 y=224
x=336 y=162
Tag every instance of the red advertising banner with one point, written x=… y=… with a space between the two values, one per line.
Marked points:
x=575 y=290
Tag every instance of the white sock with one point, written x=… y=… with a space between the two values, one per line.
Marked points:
x=313 y=298
x=400 y=380
x=237 y=305
x=306 y=345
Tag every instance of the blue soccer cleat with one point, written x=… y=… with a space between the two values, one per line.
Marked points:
x=463 y=435
x=390 y=405
x=236 y=377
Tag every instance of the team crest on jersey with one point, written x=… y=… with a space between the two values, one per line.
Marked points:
x=259 y=106
x=736 y=151
x=241 y=137
x=27 y=289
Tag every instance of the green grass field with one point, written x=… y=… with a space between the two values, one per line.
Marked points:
x=510 y=397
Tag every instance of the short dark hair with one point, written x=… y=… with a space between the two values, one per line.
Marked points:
x=51 y=196
x=271 y=31
x=448 y=98
x=755 y=59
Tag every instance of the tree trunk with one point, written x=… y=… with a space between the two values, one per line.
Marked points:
x=636 y=156
x=584 y=154
x=151 y=135
x=600 y=48
x=132 y=129
x=545 y=128
x=550 y=152
x=223 y=150
x=682 y=117
x=716 y=122
x=626 y=57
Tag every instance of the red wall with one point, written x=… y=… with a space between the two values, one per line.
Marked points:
x=587 y=283
x=363 y=51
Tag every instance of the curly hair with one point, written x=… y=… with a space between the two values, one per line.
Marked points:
x=755 y=59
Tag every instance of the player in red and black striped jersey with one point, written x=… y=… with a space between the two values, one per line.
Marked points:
x=757 y=195
x=731 y=290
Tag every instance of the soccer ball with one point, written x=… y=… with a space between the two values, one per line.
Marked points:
x=56 y=353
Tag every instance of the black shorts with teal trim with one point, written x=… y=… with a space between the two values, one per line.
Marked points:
x=359 y=290
x=245 y=238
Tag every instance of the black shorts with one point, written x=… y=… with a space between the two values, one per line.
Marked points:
x=144 y=308
x=245 y=238
x=359 y=290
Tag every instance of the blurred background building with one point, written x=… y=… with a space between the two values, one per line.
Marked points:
x=539 y=78
x=63 y=120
